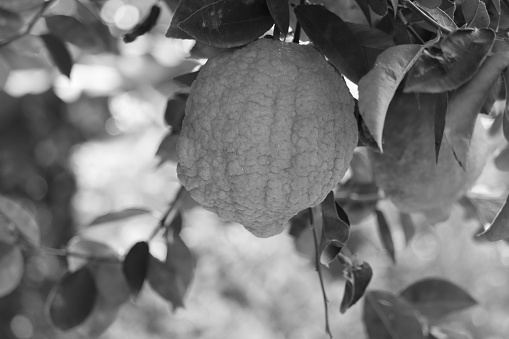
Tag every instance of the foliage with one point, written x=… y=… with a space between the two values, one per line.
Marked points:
x=451 y=55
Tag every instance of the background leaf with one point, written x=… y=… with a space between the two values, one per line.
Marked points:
x=59 y=53
x=441 y=100
x=436 y=298
x=72 y=299
x=228 y=23
x=5 y=70
x=175 y=110
x=23 y=221
x=377 y=88
x=187 y=79
x=120 y=215
x=74 y=31
x=387 y=316
x=378 y=6
x=12 y=268
x=135 y=266
x=385 y=234
x=334 y=39
x=10 y=23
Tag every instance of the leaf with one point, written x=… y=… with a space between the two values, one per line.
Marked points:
x=23 y=222
x=407 y=225
x=442 y=333
x=441 y=17
x=357 y=280
x=228 y=23
x=388 y=316
x=106 y=268
x=10 y=23
x=118 y=216
x=74 y=31
x=187 y=79
x=336 y=226
x=72 y=299
x=184 y=10
x=171 y=279
x=377 y=88
x=172 y=4
x=475 y=13
x=167 y=150
x=5 y=70
x=103 y=315
x=385 y=234
x=334 y=39
x=364 y=6
x=439 y=121
x=429 y=3
x=499 y=228
x=136 y=266
x=448 y=7
x=378 y=6
x=21 y=5
x=501 y=159
x=493 y=8
x=12 y=267
x=486 y=208
x=460 y=56
x=59 y=53
x=176 y=224
x=280 y=12
x=175 y=110
x=435 y=298
x=144 y=26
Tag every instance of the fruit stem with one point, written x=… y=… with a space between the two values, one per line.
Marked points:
x=296 y=35
x=319 y=271
x=410 y=28
x=163 y=222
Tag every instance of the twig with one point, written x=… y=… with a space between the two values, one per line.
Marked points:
x=62 y=252
x=296 y=34
x=162 y=222
x=410 y=28
x=320 y=276
x=426 y=17
x=30 y=25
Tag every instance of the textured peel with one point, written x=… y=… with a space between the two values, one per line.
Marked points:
x=269 y=130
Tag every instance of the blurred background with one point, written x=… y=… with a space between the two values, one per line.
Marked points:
x=72 y=150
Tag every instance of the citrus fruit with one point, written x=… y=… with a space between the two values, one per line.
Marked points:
x=268 y=131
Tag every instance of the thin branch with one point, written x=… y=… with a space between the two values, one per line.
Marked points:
x=320 y=276
x=163 y=221
x=410 y=28
x=30 y=25
x=296 y=34
x=426 y=17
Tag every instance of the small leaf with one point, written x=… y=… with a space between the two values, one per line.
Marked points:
x=436 y=298
x=175 y=110
x=144 y=26
x=118 y=216
x=499 y=229
x=187 y=79
x=171 y=279
x=439 y=123
x=388 y=316
x=385 y=234
x=475 y=13
x=10 y=23
x=59 y=53
x=407 y=225
x=501 y=159
x=357 y=280
x=486 y=208
x=334 y=39
x=167 y=150
x=460 y=56
x=24 y=223
x=377 y=88
x=228 y=23
x=336 y=226
x=136 y=266
x=73 y=299
x=12 y=268
x=280 y=11
x=378 y=6
x=74 y=31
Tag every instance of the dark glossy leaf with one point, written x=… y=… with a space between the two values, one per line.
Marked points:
x=12 y=267
x=228 y=23
x=373 y=40
x=334 y=39
x=74 y=31
x=73 y=299
x=385 y=234
x=59 y=53
x=364 y=6
x=439 y=123
x=175 y=110
x=167 y=150
x=187 y=79
x=184 y=10
x=120 y=215
x=378 y=6
x=336 y=227
x=10 y=23
x=462 y=54
x=388 y=316
x=136 y=266
x=377 y=88
x=429 y=3
x=436 y=298
x=475 y=13
x=357 y=280
x=280 y=11
x=171 y=279
x=408 y=226
x=23 y=223
x=144 y=26
x=501 y=159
